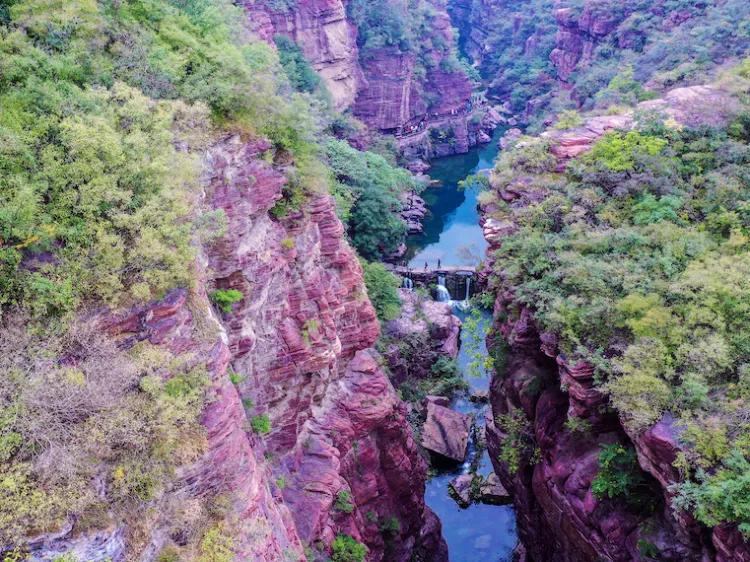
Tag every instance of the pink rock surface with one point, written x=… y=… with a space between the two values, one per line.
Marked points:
x=301 y=339
x=446 y=432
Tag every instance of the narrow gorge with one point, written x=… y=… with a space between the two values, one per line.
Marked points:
x=374 y=281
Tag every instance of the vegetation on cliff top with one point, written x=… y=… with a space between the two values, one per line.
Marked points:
x=638 y=259
x=96 y=199
x=106 y=108
x=662 y=44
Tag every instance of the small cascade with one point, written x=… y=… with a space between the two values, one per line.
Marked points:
x=442 y=291
x=468 y=290
x=407 y=283
x=442 y=294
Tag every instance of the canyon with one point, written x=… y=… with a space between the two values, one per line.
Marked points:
x=463 y=426
x=414 y=93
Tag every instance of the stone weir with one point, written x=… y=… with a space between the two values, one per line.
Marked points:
x=462 y=283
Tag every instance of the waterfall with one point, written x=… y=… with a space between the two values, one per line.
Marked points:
x=442 y=292
x=407 y=284
x=468 y=290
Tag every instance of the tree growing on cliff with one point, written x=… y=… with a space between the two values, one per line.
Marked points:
x=371 y=190
x=296 y=67
x=382 y=288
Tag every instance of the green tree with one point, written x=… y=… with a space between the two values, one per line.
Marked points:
x=382 y=288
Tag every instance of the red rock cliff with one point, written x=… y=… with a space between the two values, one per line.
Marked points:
x=389 y=89
x=340 y=457
x=325 y=36
x=301 y=338
x=559 y=517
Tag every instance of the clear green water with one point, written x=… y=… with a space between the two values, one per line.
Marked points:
x=451 y=232
x=480 y=533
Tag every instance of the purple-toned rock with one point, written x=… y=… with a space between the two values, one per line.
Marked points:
x=492 y=491
x=460 y=489
x=446 y=432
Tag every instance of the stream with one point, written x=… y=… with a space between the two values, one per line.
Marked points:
x=479 y=533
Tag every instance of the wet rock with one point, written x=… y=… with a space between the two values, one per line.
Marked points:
x=493 y=492
x=437 y=400
x=480 y=396
x=420 y=315
x=446 y=432
x=418 y=166
x=460 y=489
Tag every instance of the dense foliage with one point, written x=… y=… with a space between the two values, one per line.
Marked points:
x=297 y=68
x=95 y=200
x=516 y=60
x=660 y=43
x=638 y=259
x=382 y=288
x=369 y=192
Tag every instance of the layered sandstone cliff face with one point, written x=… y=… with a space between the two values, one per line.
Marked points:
x=301 y=339
x=327 y=39
x=340 y=457
x=559 y=516
x=388 y=88
x=394 y=94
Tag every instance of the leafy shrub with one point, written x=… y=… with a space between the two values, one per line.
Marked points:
x=569 y=119
x=343 y=502
x=382 y=288
x=577 y=425
x=390 y=527
x=620 y=476
x=261 y=424
x=445 y=366
x=517 y=445
x=216 y=546
x=225 y=298
x=721 y=496
x=346 y=549
x=620 y=152
x=296 y=67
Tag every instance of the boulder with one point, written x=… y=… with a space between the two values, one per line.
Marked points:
x=460 y=489
x=437 y=400
x=493 y=492
x=445 y=432
x=480 y=396
x=510 y=136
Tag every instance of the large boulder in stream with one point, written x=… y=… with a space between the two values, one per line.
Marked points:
x=446 y=432
x=492 y=491
x=460 y=489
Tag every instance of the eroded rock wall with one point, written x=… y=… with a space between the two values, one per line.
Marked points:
x=301 y=338
x=327 y=39
x=340 y=457
x=559 y=517
x=387 y=88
